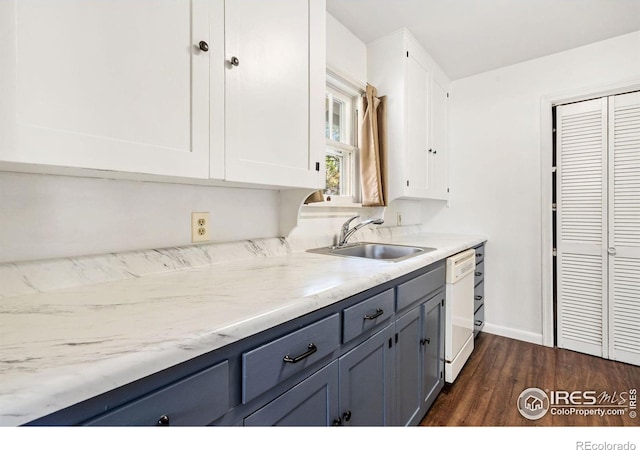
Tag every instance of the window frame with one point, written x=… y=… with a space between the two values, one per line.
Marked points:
x=347 y=147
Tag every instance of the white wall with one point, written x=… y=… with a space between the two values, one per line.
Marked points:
x=346 y=54
x=47 y=216
x=495 y=168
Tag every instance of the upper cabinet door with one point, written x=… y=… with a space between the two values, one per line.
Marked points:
x=113 y=85
x=438 y=151
x=275 y=80
x=417 y=155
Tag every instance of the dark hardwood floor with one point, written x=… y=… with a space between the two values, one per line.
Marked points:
x=487 y=390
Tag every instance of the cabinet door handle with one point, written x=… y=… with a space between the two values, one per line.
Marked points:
x=478 y=297
x=347 y=416
x=425 y=341
x=234 y=61
x=479 y=255
x=337 y=422
x=478 y=323
x=378 y=313
x=202 y=45
x=311 y=350
x=430 y=150
x=434 y=152
x=163 y=421
x=478 y=274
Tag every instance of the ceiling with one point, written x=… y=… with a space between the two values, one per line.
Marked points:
x=467 y=37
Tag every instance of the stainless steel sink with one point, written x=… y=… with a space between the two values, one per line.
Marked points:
x=370 y=250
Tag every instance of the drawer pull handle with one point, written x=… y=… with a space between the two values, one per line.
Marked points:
x=478 y=297
x=425 y=341
x=377 y=314
x=478 y=274
x=311 y=350
x=478 y=323
x=163 y=421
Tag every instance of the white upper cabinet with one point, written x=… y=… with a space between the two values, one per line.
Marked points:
x=112 y=85
x=274 y=91
x=417 y=93
x=149 y=87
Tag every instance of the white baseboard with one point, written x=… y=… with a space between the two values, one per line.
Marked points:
x=513 y=333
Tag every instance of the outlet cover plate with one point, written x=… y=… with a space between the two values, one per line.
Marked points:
x=200 y=225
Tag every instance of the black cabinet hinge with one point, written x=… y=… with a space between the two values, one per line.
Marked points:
x=442 y=302
x=407 y=54
x=447 y=95
x=407 y=182
x=317 y=166
x=396 y=338
x=390 y=342
x=441 y=374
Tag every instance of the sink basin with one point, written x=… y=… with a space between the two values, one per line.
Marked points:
x=369 y=250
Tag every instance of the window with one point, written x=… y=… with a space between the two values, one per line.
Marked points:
x=341 y=113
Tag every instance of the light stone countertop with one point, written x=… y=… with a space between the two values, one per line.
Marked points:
x=64 y=345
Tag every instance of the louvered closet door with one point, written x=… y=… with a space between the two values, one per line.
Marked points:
x=582 y=226
x=624 y=227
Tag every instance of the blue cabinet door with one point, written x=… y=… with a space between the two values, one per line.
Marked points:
x=312 y=402
x=409 y=356
x=433 y=349
x=367 y=375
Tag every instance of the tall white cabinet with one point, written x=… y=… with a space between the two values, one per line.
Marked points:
x=417 y=116
x=198 y=89
x=598 y=226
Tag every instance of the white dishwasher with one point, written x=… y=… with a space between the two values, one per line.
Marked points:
x=458 y=343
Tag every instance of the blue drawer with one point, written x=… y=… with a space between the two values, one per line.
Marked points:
x=272 y=363
x=196 y=400
x=421 y=286
x=367 y=315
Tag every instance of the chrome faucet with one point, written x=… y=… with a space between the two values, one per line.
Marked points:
x=346 y=233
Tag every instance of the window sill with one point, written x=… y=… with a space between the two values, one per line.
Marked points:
x=329 y=209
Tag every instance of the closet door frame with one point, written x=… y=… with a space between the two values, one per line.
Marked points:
x=546 y=175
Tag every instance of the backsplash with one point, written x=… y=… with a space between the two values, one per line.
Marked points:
x=20 y=278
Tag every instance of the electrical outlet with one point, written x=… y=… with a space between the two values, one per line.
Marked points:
x=399 y=219
x=199 y=226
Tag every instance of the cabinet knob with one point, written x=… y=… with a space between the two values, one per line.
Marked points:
x=430 y=150
x=434 y=152
x=611 y=250
x=203 y=46
x=234 y=61
x=337 y=422
x=346 y=416
x=163 y=421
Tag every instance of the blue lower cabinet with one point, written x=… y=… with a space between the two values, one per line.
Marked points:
x=433 y=348
x=312 y=402
x=366 y=381
x=408 y=366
